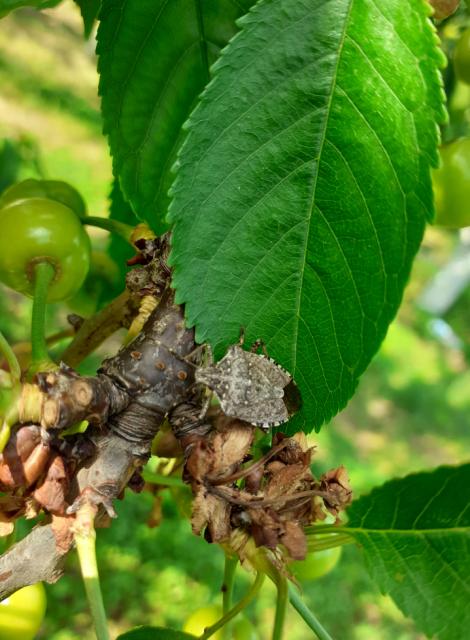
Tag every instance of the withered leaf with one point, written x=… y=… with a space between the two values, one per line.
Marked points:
x=294 y=540
x=51 y=493
x=287 y=480
x=336 y=484
x=212 y=512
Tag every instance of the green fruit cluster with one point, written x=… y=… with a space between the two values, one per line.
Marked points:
x=452 y=185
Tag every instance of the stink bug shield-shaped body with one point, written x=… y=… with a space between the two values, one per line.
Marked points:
x=249 y=387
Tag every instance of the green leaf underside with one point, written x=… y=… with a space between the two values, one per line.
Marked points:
x=154 y=633
x=303 y=186
x=6 y=6
x=415 y=533
x=154 y=58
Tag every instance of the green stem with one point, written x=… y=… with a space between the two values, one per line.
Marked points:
x=231 y=563
x=11 y=359
x=8 y=421
x=244 y=602
x=118 y=313
x=281 y=607
x=330 y=542
x=85 y=541
x=320 y=529
x=160 y=478
x=308 y=617
x=120 y=229
x=44 y=273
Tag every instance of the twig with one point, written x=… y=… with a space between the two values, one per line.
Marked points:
x=307 y=615
x=93 y=332
x=242 y=473
x=254 y=502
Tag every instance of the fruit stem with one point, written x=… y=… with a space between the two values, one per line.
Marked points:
x=308 y=617
x=244 y=602
x=11 y=359
x=85 y=538
x=44 y=273
x=95 y=330
x=231 y=562
x=281 y=607
x=120 y=229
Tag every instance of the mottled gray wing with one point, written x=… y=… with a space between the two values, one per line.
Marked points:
x=258 y=414
x=276 y=375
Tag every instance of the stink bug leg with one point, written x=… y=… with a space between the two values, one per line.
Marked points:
x=259 y=344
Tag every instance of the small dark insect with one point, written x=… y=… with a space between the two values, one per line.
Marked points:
x=249 y=386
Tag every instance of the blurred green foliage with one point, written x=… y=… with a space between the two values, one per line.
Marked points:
x=410 y=412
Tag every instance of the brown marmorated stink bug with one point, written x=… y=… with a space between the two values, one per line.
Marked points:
x=248 y=386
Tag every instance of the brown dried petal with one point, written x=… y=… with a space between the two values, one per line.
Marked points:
x=11 y=508
x=266 y=527
x=62 y=528
x=18 y=472
x=200 y=461
x=294 y=540
x=22 y=442
x=231 y=447
x=221 y=453
x=254 y=479
x=336 y=484
x=296 y=450
x=288 y=480
x=212 y=512
x=51 y=493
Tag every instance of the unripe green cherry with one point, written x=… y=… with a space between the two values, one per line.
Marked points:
x=53 y=189
x=22 y=613
x=451 y=183
x=41 y=230
x=462 y=57
x=317 y=564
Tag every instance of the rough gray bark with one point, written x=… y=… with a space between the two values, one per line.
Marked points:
x=126 y=404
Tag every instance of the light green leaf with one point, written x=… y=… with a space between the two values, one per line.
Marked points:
x=303 y=186
x=6 y=6
x=415 y=533
x=154 y=633
x=154 y=61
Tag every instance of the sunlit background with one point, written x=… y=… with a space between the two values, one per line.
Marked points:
x=410 y=411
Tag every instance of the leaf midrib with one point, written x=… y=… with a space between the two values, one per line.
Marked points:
x=303 y=261
x=364 y=530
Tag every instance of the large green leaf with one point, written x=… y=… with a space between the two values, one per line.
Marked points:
x=415 y=533
x=6 y=6
x=303 y=186
x=154 y=61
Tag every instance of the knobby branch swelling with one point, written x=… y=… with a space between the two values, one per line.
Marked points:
x=149 y=381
